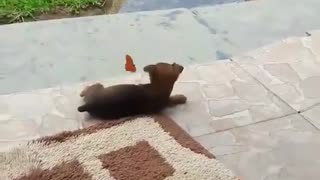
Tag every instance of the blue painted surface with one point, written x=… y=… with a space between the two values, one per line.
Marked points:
x=148 y=5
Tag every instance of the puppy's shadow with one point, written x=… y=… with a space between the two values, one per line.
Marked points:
x=90 y=121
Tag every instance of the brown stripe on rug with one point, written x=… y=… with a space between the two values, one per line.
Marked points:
x=145 y=148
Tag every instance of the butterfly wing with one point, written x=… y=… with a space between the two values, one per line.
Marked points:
x=129 y=65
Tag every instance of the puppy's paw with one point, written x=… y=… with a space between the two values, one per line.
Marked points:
x=177 y=99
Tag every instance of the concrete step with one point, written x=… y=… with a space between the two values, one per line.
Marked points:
x=52 y=53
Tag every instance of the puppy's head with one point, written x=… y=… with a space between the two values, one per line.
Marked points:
x=91 y=91
x=163 y=73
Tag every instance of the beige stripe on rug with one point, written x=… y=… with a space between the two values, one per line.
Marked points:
x=146 y=148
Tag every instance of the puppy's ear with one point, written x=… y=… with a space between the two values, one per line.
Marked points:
x=149 y=68
x=178 y=67
x=181 y=69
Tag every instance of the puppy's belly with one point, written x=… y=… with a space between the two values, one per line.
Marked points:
x=123 y=110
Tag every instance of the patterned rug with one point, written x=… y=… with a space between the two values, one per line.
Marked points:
x=146 y=148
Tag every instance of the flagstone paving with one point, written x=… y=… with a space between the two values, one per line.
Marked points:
x=279 y=149
x=290 y=69
x=226 y=101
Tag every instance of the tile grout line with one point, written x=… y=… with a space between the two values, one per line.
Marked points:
x=269 y=90
x=206 y=100
x=308 y=108
x=306 y=119
x=270 y=119
x=247 y=125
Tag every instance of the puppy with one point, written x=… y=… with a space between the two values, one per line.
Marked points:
x=124 y=100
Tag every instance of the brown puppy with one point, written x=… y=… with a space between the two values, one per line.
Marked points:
x=128 y=99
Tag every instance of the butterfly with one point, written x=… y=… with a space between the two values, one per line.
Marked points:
x=129 y=65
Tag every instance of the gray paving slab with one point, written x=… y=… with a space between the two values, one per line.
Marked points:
x=235 y=98
x=217 y=103
x=237 y=28
x=289 y=68
x=193 y=116
x=280 y=149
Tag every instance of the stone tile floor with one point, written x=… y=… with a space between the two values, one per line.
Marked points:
x=258 y=113
x=279 y=149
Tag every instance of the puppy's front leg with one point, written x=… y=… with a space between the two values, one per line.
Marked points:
x=177 y=99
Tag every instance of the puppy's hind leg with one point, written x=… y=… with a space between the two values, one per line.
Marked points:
x=177 y=100
x=83 y=92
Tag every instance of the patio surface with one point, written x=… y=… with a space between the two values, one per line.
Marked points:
x=259 y=113
x=257 y=110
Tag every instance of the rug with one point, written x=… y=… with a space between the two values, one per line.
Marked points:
x=146 y=148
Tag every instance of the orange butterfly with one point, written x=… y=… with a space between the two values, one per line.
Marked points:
x=129 y=65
